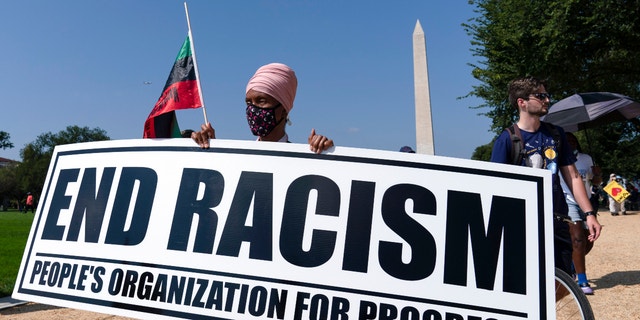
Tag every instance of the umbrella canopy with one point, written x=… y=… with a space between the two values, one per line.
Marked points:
x=591 y=109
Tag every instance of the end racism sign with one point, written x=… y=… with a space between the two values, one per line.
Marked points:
x=253 y=230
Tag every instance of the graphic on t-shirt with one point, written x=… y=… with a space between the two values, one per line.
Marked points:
x=535 y=161
x=550 y=153
x=542 y=154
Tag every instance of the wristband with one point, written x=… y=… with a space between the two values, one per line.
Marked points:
x=589 y=213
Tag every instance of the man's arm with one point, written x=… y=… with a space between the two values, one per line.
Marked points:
x=574 y=181
x=501 y=151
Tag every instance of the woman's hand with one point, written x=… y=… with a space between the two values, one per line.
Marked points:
x=319 y=143
x=202 y=137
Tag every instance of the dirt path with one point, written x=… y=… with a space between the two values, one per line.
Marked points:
x=613 y=267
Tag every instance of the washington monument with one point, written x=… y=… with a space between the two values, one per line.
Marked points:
x=424 y=128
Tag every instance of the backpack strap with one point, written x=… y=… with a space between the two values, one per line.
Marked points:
x=517 y=146
x=556 y=136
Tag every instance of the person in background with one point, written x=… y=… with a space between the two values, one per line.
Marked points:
x=269 y=100
x=529 y=97
x=29 y=203
x=596 y=192
x=616 y=207
x=186 y=133
x=407 y=149
x=590 y=174
x=632 y=201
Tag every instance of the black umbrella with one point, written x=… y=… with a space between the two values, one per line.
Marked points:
x=591 y=109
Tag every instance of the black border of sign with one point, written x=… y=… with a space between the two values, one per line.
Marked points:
x=291 y=154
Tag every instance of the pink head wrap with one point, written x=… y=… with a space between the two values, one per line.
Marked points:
x=276 y=80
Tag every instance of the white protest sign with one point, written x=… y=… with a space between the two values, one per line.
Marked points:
x=162 y=229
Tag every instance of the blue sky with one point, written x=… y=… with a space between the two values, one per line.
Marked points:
x=85 y=63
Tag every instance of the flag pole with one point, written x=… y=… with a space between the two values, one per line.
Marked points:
x=195 y=63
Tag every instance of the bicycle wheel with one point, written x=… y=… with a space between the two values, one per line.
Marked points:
x=571 y=302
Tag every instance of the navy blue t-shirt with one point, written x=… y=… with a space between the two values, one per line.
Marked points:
x=540 y=152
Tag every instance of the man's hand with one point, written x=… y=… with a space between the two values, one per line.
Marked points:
x=594 y=228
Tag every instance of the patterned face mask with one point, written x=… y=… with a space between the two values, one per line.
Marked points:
x=262 y=120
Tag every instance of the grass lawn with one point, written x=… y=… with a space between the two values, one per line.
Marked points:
x=14 y=231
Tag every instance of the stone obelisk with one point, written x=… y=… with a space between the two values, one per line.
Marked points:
x=424 y=127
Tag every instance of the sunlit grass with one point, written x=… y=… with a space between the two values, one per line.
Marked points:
x=14 y=231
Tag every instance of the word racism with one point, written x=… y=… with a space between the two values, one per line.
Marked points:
x=464 y=211
x=230 y=240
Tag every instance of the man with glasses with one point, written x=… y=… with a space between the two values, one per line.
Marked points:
x=542 y=150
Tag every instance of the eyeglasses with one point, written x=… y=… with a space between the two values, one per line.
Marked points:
x=541 y=95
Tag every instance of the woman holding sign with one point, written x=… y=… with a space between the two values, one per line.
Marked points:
x=269 y=99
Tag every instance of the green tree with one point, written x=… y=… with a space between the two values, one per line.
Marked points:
x=483 y=152
x=8 y=185
x=7 y=174
x=614 y=148
x=4 y=140
x=574 y=45
x=37 y=155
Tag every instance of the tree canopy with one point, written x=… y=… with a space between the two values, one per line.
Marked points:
x=37 y=154
x=4 y=140
x=574 y=45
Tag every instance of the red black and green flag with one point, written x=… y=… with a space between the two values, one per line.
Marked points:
x=180 y=92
